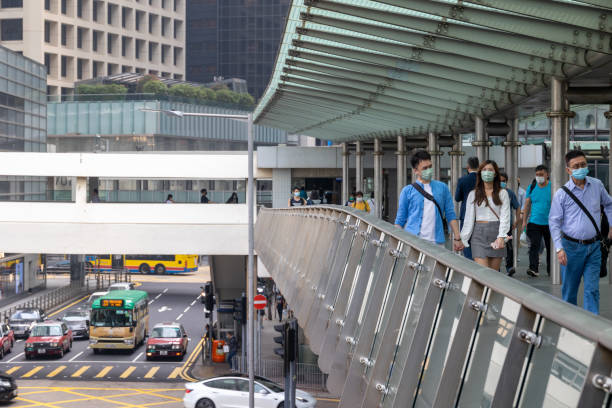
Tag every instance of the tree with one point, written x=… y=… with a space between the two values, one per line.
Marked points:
x=206 y=94
x=142 y=81
x=155 y=87
x=246 y=101
x=227 y=96
x=184 y=91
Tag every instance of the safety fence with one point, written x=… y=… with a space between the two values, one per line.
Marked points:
x=308 y=376
x=397 y=321
x=59 y=296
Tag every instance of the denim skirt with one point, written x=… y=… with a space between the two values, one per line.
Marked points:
x=484 y=234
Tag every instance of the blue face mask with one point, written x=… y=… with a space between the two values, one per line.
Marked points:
x=580 y=174
x=502 y=184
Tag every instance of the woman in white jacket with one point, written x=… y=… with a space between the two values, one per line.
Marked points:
x=487 y=217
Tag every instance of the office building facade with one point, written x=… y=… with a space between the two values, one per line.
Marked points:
x=23 y=120
x=83 y=39
x=234 y=39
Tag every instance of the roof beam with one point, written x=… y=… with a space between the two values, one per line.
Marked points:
x=458 y=75
x=511 y=23
x=412 y=86
x=407 y=75
x=500 y=72
x=443 y=44
x=599 y=3
x=386 y=88
x=566 y=13
x=522 y=44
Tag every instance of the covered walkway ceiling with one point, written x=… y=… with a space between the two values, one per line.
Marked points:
x=352 y=70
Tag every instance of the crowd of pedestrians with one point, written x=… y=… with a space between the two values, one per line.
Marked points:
x=574 y=219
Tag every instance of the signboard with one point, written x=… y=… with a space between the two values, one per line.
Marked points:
x=111 y=302
x=259 y=302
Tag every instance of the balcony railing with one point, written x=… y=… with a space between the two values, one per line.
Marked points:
x=399 y=322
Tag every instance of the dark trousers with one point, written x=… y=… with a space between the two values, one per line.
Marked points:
x=279 y=309
x=535 y=233
x=467 y=252
x=230 y=359
x=509 y=253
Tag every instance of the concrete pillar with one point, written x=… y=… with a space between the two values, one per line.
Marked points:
x=281 y=187
x=455 y=166
x=481 y=142
x=434 y=149
x=359 y=166
x=378 y=177
x=511 y=146
x=79 y=190
x=401 y=164
x=559 y=115
x=609 y=117
x=345 y=173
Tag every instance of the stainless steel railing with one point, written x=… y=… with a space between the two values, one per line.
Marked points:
x=397 y=321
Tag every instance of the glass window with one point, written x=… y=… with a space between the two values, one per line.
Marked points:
x=222 y=383
x=40 y=331
x=12 y=3
x=166 y=332
x=12 y=29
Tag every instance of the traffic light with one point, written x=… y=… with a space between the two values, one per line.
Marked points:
x=240 y=310
x=280 y=328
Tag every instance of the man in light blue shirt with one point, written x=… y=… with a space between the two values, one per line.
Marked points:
x=421 y=216
x=574 y=236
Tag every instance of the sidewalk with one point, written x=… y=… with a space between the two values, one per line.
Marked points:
x=53 y=282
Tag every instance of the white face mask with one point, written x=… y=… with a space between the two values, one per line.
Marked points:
x=540 y=180
x=359 y=199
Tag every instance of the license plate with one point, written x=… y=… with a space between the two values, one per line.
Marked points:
x=41 y=351
x=163 y=353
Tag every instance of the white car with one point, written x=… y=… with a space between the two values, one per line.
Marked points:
x=121 y=286
x=232 y=391
x=95 y=296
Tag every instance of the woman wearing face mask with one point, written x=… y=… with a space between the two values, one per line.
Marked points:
x=487 y=217
x=359 y=204
x=296 y=200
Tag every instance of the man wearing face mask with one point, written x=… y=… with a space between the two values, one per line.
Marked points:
x=423 y=205
x=576 y=231
x=535 y=219
x=359 y=204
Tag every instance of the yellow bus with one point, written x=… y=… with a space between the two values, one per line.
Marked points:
x=145 y=264
x=119 y=320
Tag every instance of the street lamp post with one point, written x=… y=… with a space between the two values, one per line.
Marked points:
x=251 y=236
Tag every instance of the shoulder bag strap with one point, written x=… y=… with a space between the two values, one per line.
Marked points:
x=490 y=208
x=584 y=210
x=429 y=197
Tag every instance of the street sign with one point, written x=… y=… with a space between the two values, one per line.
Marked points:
x=259 y=302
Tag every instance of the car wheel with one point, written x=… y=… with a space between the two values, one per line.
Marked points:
x=61 y=353
x=144 y=268
x=96 y=351
x=2 y=352
x=281 y=405
x=27 y=356
x=70 y=346
x=205 y=403
x=160 y=269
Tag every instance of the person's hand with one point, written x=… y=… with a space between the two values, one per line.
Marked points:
x=516 y=225
x=500 y=243
x=562 y=257
x=610 y=234
x=458 y=245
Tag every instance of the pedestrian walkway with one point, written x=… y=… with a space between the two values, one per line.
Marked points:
x=57 y=281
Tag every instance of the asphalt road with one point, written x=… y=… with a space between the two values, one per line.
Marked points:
x=168 y=302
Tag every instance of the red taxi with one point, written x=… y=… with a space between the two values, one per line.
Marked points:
x=167 y=340
x=48 y=338
x=7 y=340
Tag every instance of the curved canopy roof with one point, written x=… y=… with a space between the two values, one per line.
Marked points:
x=352 y=70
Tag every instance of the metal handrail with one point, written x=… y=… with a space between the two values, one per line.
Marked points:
x=300 y=260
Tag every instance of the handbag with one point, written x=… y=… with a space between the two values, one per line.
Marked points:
x=432 y=199
x=225 y=348
x=604 y=244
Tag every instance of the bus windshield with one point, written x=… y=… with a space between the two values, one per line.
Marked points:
x=111 y=318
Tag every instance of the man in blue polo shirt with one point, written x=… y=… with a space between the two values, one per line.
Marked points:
x=535 y=219
x=421 y=216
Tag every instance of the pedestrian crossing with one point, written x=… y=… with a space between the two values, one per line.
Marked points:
x=123 y=372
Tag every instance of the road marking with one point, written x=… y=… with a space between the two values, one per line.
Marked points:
x=19 y=341
x=137 y=357
x=175 y=373
x=17 y=356
x=193 y=303
x=328 y=399
x=32 y=371
x=103 y=372
x=190 y=360
x=165 y=290
x=70 y=305
x=151 y=372
x=12 y=369
x=157 y=297
x=127 y=372
x=80 y=371
x=56 y=371
x=75 y=357
x=179 y=317
x=185 y=311
x=151 y=301
x=164 y=309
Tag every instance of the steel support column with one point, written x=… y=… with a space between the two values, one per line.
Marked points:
x=359 y=166
x=378 y=176
x=455 y=167
x=481 y=142
x=345 y=173
x=609 y=117
x=559 y=116
x=511 y=146
x=401 y=164
x=434 y=149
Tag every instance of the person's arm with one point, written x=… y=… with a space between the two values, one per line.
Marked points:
x=402 y=210
x=468 y=220
x=555 y=222
x=517 y=222
x=504 y=216
x=459 y=191
x=289 y=203
x=526 y=211
x=606 y=202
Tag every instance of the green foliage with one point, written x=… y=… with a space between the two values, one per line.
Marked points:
x=142 y=82
x=226 y=96
x=155 y=87
x=184 y=91
x=112 y=90
x=206 y=94
x=219 y=87
x=246 y=101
